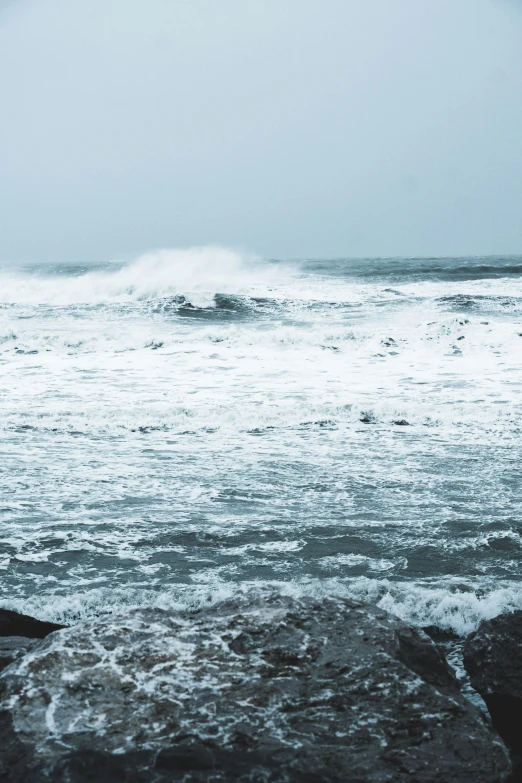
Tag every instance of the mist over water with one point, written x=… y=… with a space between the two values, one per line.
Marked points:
x=197 y=422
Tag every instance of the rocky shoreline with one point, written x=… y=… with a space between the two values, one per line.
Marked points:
x=263 y=689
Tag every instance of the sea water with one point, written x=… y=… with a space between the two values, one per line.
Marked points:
x=196 y=423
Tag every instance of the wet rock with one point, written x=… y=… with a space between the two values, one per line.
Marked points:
x=493 y=660
x=15 y=624
x=440 y=635
x=401 y=423
x=265 y=689
x=12 y=648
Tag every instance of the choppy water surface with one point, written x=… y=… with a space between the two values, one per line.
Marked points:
x=196 y=423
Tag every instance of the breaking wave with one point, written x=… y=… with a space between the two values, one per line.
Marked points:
x=195 y=273
x=458 y=609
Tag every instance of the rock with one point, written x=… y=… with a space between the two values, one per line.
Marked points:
x=440 y=635
x=17 y=635
x=267 y=689
x=493 y=660
x=14 y=624
x=12 y=647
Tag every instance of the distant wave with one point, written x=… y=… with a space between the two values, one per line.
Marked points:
x=195 y=273
x=444 y=269
x=196 y=278
x=464 y=272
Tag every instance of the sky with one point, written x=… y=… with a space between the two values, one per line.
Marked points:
x=287 y=128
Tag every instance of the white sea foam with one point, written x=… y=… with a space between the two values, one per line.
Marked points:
x=197 y=272
x=447 y=605
x=156 y=453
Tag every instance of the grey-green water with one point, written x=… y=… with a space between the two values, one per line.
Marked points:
x=194 y=424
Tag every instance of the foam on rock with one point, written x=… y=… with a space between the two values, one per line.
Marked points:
x=258 y=689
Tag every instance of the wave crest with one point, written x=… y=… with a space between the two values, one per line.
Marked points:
x=198 y=272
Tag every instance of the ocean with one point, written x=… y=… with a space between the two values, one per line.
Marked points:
x=200 y=422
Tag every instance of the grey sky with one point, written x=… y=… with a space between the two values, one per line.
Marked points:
x=285 y=127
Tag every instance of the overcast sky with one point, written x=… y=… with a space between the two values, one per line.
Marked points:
x=284 y=127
